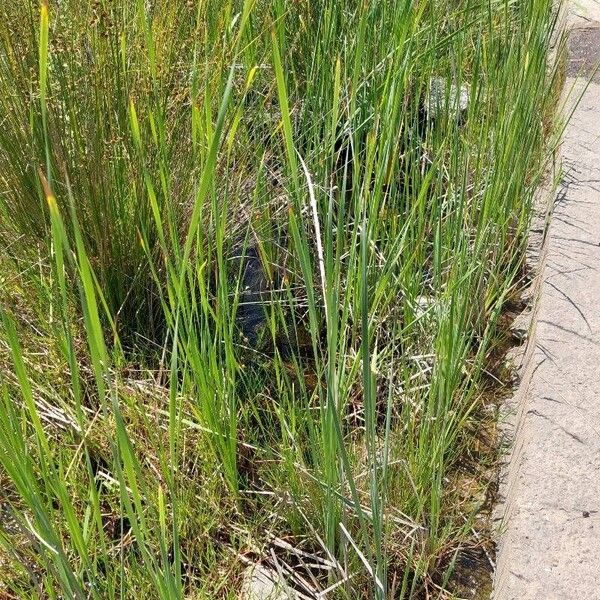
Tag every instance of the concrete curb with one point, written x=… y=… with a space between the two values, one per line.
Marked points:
x=549 y=546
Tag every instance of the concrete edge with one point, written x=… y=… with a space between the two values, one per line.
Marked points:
x=515 y=406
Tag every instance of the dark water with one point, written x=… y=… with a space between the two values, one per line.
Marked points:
x=255 y=293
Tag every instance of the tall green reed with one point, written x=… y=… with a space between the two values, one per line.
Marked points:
x=389 y=238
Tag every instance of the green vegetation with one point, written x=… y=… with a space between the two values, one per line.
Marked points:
x=253 y=260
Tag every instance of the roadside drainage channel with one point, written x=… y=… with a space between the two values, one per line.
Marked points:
x=549 y=529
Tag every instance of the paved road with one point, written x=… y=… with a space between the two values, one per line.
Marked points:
x=550 y=549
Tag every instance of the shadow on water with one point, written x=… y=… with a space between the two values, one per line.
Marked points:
x=255 y=293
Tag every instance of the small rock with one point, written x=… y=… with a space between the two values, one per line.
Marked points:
x=519 y=334
x=439 y=92
x=261 y=583
x=425 y=305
